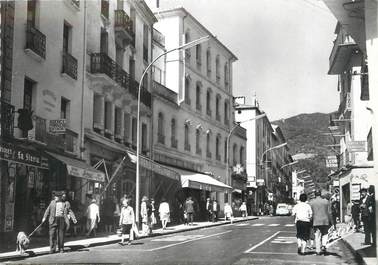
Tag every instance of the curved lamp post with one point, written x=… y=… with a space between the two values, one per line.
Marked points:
x=270 y=149
x=182 y=47
x=290 y=164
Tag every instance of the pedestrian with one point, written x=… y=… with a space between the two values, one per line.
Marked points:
x=372 y=213
x=153 y=214
x=189 y=210
x=228 y=212
x=321 y=212
x=145 y=213
x=56 y=213
x=335 y=207
x=93 y=218
x=348 y=216
x=243 y=209
x=367 y=212
x=70 y=213
x=303 y=214
x=209 y=209
x=164 y=213
x=127 y=221
x=116 y=213
x=356 y=215
x=109 y=208
x=215 y=210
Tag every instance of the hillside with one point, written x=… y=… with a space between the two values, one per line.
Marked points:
x=306 y=139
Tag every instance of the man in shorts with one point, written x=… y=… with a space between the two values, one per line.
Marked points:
x=321 y=210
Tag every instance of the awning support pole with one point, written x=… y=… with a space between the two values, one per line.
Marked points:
x=113 y=175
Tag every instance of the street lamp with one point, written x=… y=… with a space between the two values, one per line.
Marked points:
x=182 y=47
x=270 y=149
x=290 y=164
x=228 y=142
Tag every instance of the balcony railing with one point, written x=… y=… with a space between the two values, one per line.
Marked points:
x=161 y=138
x=76 y=2
x=145 y=95
x=6 y=119
x=123 y=26
x=103 y=64
x=158 y=37
x=69 y=65
x=35 y=40
x=173 y=142
x=105 y=8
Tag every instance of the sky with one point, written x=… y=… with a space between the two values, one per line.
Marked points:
x=282 y=47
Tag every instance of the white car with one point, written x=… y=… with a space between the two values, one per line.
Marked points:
x=282 y=209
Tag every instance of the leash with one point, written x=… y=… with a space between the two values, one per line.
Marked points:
x=35 y=229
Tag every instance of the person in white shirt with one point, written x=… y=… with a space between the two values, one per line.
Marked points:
x=164 y=213
x=303 y=214
x=93 y=217
x=127 y=221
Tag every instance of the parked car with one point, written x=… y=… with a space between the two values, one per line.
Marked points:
x=282 y=209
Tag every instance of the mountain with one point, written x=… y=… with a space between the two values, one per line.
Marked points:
x=306 y=137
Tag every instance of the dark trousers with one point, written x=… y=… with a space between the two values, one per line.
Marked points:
x=369 y=229
x=356 y=220
x=215 y=216
x=209 y=216
x=56 y=229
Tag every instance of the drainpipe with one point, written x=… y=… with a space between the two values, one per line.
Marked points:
x=83 y=73
x=183 y=62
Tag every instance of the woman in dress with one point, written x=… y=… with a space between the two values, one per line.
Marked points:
x=164 y=213
x=303 y=214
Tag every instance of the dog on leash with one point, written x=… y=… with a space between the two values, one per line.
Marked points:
x=22 y=242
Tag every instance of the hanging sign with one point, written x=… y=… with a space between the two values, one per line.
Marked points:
x=357 y=146
x=57 y=126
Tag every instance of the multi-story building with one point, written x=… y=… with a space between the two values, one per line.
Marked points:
x=193 y=112
x=267 y=181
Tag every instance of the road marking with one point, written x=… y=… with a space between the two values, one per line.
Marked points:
x=302 y=261
x=190 y=240
x=274 y=225
x=177 y=238
x=289 y=225
x=272 y=253
x=241 y=224
x=262 y=242
x=257 y=224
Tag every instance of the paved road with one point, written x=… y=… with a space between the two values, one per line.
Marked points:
x=268 y=240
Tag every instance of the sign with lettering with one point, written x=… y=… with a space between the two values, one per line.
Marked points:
x=260 y=182
x=357 y=146
x=85 y=173
x=331 y=161
x=15 y=153
x=57 y=126
x=355 y=192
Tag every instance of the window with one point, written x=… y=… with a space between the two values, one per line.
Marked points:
x=161 y=137
x=98 y=125
x=29 y=86
x=104 y=41
x=173 y=134
x=119 y=55
x=198 y=142
x=208 y=102
x=226 y=113
x=132 y=68
x=117 y=123
x=208 y=62
x=126 y=129
x=144 y=138
x=108 y=119
x=134 y=131
x=217 y=148
x=120 y=4
x=32 y=12
x=217 y=112
x=187 y=90
x=225 y=150
x=198 y=54
x=105 y=8
x=226 y=76
x=234 y=152
x=67 y=35
x=187 y=51
x=198 y=97
x=241 y=155
x=217 y=70
x=186 y=136
x=65 y=109
x=145 y=42
x=208 y=149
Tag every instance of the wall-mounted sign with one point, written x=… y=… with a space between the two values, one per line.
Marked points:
x=260 y=182
x=336 y=183
x=57 y=126
x=355 y=192
x=331 y=161
x=357 y=146
x=15 y=153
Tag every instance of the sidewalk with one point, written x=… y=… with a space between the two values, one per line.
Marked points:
x=103 y=240
x=366 y=253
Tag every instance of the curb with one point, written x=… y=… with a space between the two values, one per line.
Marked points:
x=74 y=247
x=359 y=257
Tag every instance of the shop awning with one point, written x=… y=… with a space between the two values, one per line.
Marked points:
x=237 y=191
x=78 y=168
x=200 y=181
x=155 y=167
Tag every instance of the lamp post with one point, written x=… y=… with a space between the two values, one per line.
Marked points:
x=290 y=164
x=228 y=141
x=182 y=47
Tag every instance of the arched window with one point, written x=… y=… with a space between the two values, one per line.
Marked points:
x=198 y=142
x=198 y=96
x=187 y=90
x=208 y=148
x=208 y=62
x=186 y=137
x=241 y=155
x=208 y=101
x=226 y=76
x=217 y=111
x=173 y=134
x=225 y=150
x=217 y=147
x=234 y=153
x=161 y=136
x=226 y=112
x=198 y=54
x=217 y=68
x=187 y=51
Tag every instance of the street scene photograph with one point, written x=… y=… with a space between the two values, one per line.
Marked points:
x=203 y=132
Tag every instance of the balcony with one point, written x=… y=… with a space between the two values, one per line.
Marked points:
x=101 y=63
x=173 y=142
x=105 y=8
x=343 y=47
x=35 y=41
x=145 y=95
x=7 y=119
x=158 y=38
x=123 y=28
x=161 y=138
x=69 y=65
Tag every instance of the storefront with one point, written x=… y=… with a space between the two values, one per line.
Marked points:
x=239 y=185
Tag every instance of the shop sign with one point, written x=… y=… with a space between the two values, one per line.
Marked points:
x=260 y=182
x=147 y=164
x=18 y=154
x=336 y=183
x=357 y=146
x=57 y=126
x=331 y=161
x=355 y=192
x=85 y=173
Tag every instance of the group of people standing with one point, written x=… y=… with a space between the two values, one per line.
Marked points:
x=212 y=209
